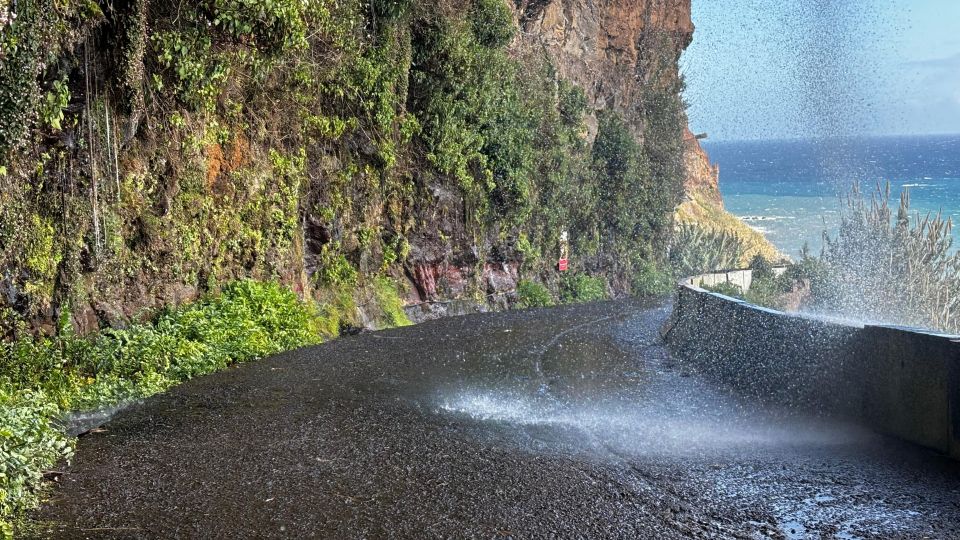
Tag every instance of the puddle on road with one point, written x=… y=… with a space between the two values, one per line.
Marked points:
x=850 y=514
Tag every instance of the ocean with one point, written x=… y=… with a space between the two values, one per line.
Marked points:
x=790 y=189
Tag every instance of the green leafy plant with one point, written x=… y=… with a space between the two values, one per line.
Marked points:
x=29 y=445
x=275 y=26
x=533 y=294
x=582 y=288
x=634 y=204
x=334 y=268
x=54 y=102
x=197 y=74
x=389 y=10
x=726 y=288
x=492 y=22
x=387 y=294
x=40 y=378
x=394 y=250
x=650 y=279
x=695 y=250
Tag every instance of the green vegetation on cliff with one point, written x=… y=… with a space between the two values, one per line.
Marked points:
x=152 y=151
x=531 y=294
x=697 y=249
x=711 y=219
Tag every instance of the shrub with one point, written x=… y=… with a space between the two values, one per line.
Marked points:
x=387 y=294
x=30 y=43
x=532 y=294
x=762 y=269
x=333 y=268
x=197 y=75
x=492 y=22
x=899 y=270
x=54 y=102
x=767 y=290
x=275 y=25
x=809 y=268
x=726 y=288
x=649 y=279
x=41 y=378
x=623 y=182
x=467 y=95
x=695 y=250
x=572 y=103
x=582 y=288
x=338 y=311
x=389 y=10
x=773 y=291
x=29 y=445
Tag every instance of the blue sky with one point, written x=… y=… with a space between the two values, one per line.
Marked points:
x=814 y=68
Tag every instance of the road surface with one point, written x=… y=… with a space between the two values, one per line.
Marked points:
x=566 y=422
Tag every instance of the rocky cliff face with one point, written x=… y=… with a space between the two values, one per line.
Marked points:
x=703 y=204
x=702 y=177
x=610 y=48
x=152 y=151
x=615 y=50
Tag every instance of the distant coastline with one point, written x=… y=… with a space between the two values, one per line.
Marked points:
x=790 y=189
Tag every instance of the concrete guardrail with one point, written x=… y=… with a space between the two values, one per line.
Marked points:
x=898 y=381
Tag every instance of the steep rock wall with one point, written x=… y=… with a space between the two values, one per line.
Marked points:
x=610 y=48
x=152 y=151
x=703 y=177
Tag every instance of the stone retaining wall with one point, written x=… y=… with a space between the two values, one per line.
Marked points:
x=898 y=381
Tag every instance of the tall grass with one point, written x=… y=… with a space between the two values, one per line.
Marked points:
x=882 y=266
x=696 y=249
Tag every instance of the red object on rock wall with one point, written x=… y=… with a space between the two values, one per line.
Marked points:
x=562 y=265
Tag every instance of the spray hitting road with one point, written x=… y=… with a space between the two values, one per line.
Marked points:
x=569 y=421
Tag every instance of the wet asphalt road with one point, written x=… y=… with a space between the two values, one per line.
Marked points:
x=567 y=422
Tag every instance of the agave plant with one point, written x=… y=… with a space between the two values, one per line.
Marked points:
x=696 y=249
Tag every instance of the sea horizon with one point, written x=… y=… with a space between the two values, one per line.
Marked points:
x=791 y=189
x=813 y=138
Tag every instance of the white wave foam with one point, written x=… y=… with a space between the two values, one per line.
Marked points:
x=765 y=218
